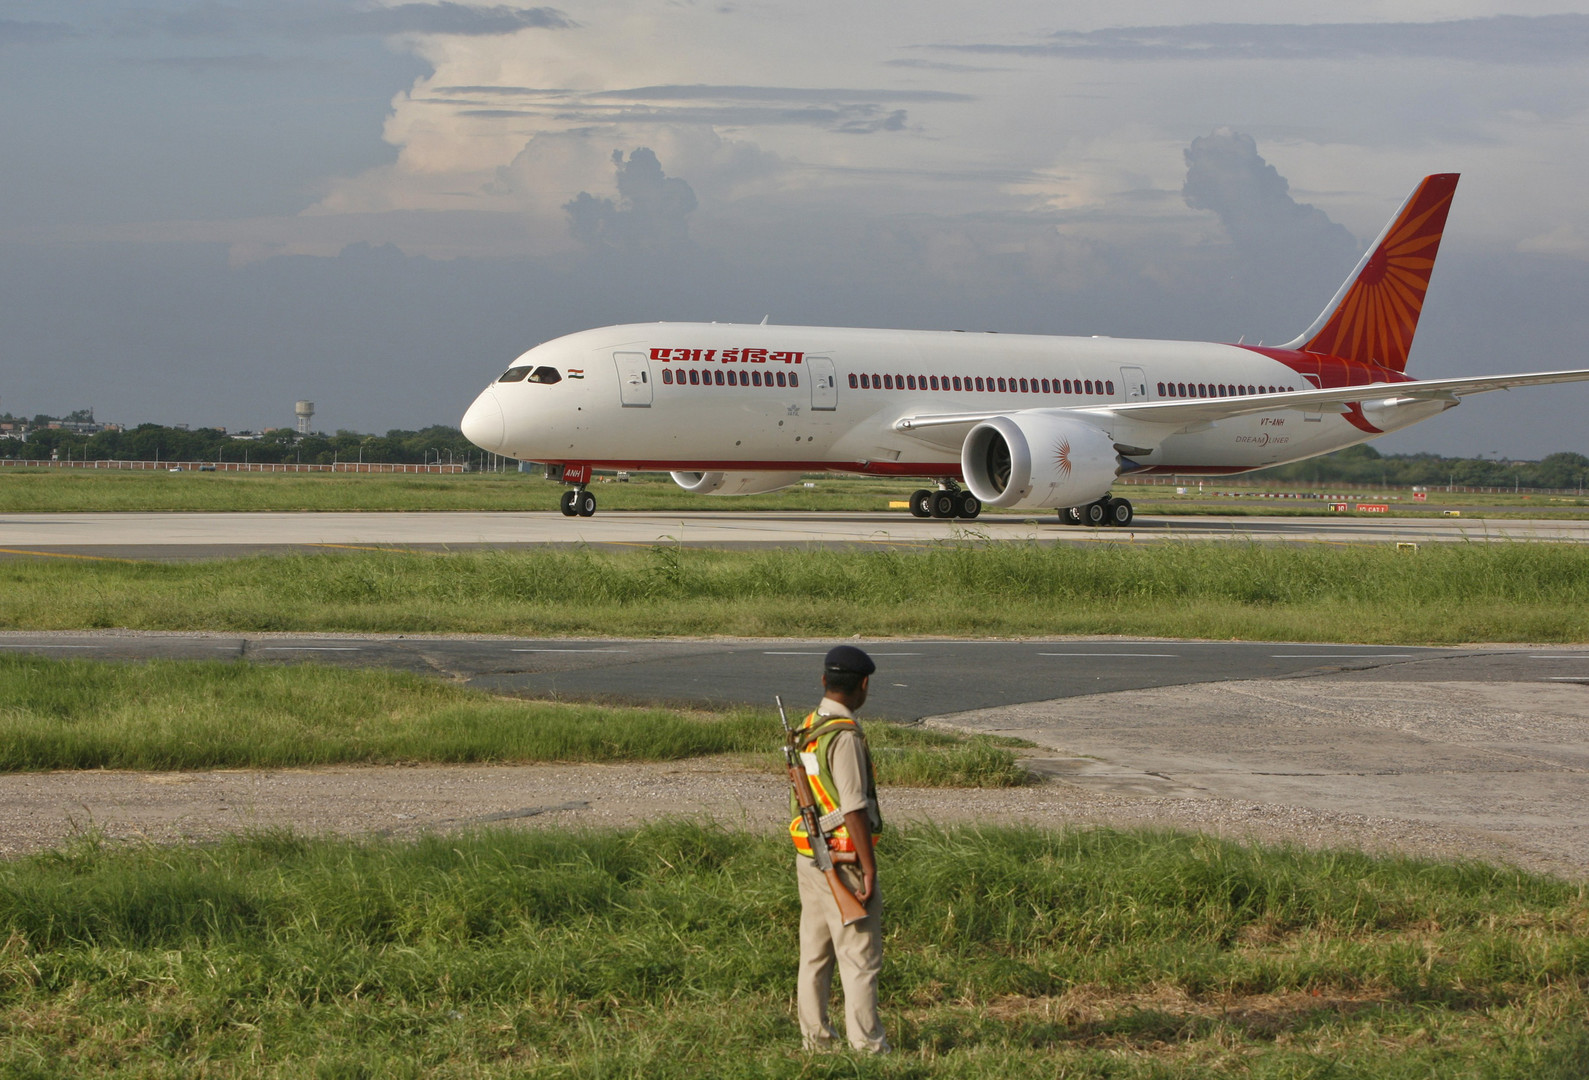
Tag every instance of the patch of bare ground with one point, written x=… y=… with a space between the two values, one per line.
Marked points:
x=42 y=810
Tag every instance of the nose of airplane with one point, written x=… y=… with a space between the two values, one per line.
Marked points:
x=483 y=424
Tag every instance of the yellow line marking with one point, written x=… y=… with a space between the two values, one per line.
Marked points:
x=64 y=555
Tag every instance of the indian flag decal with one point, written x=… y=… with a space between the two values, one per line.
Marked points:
x=576 y=373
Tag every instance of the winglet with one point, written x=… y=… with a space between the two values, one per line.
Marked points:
x=1375 y=313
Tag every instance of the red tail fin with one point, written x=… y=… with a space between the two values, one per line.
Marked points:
x=1373 y=317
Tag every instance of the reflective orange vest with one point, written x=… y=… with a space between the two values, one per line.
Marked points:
x=816 y=737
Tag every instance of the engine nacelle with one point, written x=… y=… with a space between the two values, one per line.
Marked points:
x=1036 y=460
x=735 y=483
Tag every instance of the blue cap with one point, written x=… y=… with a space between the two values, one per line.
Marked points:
x=848 y=658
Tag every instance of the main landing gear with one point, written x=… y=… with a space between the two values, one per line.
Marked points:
x=1106 y=511
x=949 y=501
x=576 y=500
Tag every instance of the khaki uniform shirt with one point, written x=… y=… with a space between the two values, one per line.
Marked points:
x=847 y=760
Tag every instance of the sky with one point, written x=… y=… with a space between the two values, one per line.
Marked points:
x=214 y=209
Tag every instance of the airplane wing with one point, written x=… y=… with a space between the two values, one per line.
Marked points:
x=1181 y=412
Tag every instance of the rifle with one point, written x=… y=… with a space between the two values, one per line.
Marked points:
x=850 y=909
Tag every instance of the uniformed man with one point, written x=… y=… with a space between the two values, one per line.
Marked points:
x=840 y=767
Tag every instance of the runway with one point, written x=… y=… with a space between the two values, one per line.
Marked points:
x=178 y=536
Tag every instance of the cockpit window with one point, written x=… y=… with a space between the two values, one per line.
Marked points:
x=540 y=375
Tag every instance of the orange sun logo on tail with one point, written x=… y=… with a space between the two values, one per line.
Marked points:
x=1375 y=318
x=1062 y=456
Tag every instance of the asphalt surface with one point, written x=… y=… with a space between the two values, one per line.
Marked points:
x=182 y=536
x=915 y=679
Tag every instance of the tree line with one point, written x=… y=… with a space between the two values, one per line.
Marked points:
x=155 y=442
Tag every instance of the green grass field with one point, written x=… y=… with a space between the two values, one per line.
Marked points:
x=30 y=490
x=80 y=714
x=1441 y=594
x=670 y=951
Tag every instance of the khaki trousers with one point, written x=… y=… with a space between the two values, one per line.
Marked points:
x=858 y=949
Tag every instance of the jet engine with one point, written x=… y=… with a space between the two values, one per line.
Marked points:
x=1038 y=460
x=735 y=483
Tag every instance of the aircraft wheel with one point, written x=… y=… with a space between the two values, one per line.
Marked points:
x=1120 y=513
x=1070 y=515
x=586 y=503
x=567 y=503
x=1095 y=514
x=967 y=505
x=921 y=502
x=942 y=504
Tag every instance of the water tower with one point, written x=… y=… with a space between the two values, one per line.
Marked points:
x=305 y=410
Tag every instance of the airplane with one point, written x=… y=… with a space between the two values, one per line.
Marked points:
x=1021 y=421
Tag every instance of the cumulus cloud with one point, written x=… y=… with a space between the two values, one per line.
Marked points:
x=651 y=214
x=1225 y=174
x=1287 y=256
x=1504 y=39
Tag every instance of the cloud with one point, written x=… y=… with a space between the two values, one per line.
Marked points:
x=1499 y=39
x=651 y=214
x=777 y=93
x=1283 y=249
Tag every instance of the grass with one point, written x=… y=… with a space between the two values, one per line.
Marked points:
x=30 y=490
x=78 y=714
x=669 y=952
x=1446 y=593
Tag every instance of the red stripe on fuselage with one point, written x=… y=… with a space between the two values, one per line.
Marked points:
x=1326 y=372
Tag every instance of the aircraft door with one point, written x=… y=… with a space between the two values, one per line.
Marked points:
x=1135 y=381
x=824 y=383
x=1316 y=413
x=634 y=379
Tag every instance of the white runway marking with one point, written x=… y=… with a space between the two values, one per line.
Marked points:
x=30 y=648
x=1151 y=655
x=569 y=650
x=1340 y=656
x=310 y=648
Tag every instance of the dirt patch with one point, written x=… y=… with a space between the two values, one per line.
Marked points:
x=42 y=810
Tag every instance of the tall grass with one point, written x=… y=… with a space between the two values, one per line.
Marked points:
x=1441 y=593
x=81 y=714
x=669 y=952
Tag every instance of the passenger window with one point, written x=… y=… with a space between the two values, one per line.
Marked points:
x=1002 y=388
x=910 y=381
x=781 y=380
x=1109 y=386
x=794 y=378
x=718 y=378
x=853 y=382
x=956 y=382
x=755 y=378
x=667 y=376
x=514 y=374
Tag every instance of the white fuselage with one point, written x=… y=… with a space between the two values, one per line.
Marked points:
x=710 y=396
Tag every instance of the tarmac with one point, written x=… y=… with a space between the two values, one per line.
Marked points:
x=220 y=535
